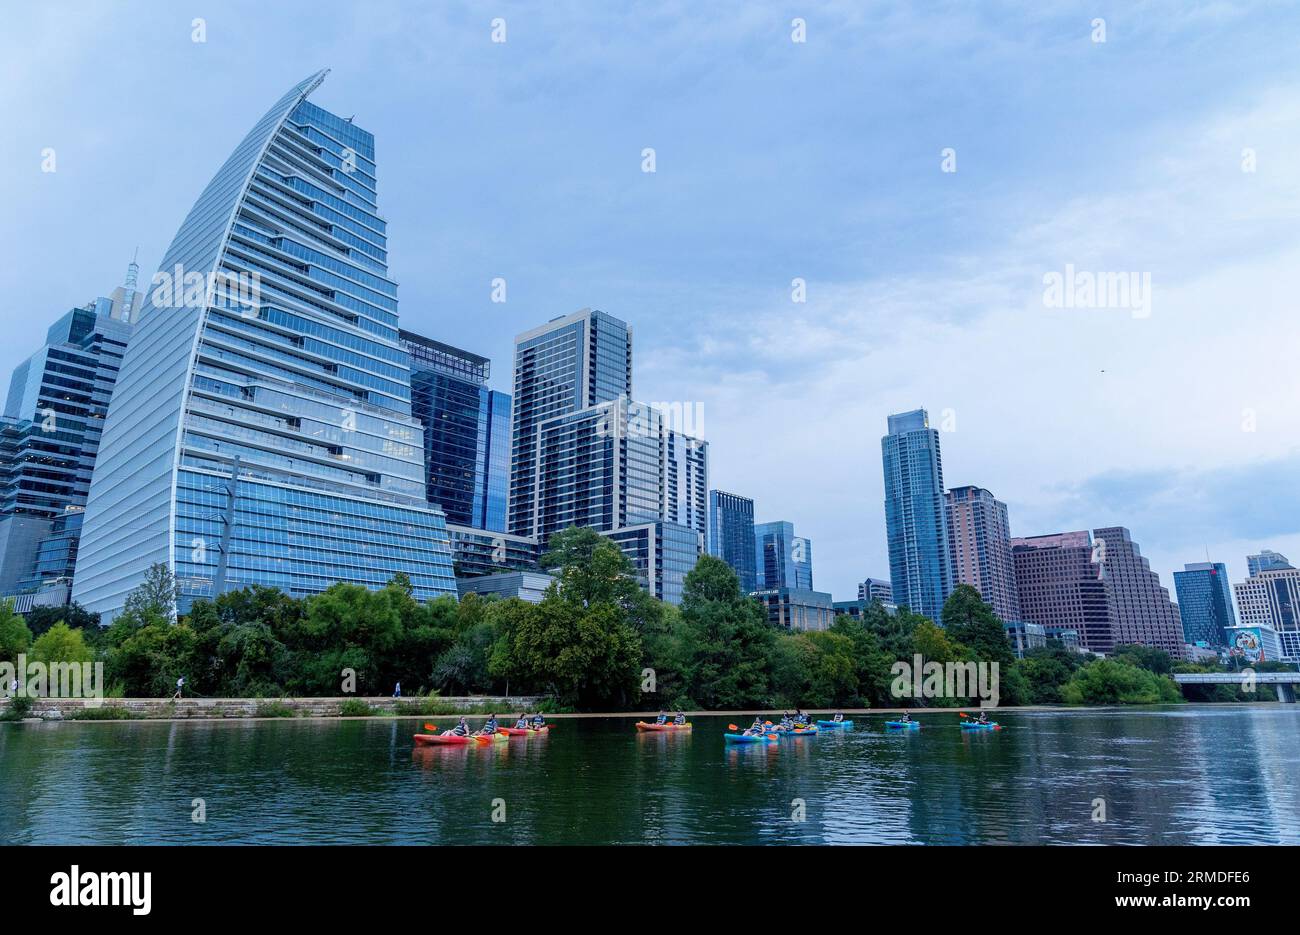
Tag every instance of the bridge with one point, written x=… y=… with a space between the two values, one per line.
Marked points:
x=1284 y=682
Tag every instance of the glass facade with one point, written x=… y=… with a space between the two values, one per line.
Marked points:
x=920 y=567
x=49 y=439
x=1205 y=603
x=466 y=432
x=296 y=374
x=663 y=554
x=571 y=363
x=781 y=559
x=731 y=535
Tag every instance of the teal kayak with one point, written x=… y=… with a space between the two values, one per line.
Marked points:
x=904 y=725
x=976 y=725
x=834 y=724
x=746 y=738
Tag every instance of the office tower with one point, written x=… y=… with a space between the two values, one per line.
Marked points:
x=662 y=553
x=1204 y=603
x=979 y=539
x=874 y=589
x=920 y=566
x=49 y=439
x=1144 y=614
x=466 y=432
x=781 y=559
x=1270 y=598
x=1266 y=560
x=569 y=364
x=731 y=535
x=261 y=428
x=797 y=608
x=1061 y=588
x=476 y=552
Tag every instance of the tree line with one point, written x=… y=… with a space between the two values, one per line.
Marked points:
x=596 y=641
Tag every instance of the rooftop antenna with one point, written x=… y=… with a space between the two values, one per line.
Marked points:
x=132 y=278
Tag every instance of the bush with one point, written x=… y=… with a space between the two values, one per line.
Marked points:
x=20 y=706
x=112 y=712
x=355 y=707
x=274 y=709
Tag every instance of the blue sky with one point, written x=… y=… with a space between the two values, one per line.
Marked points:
x=775 y=160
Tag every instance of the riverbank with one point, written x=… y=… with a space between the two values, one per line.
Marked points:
x=200 y=709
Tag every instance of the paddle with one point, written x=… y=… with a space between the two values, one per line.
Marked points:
x=732 y=727
x=430 y=726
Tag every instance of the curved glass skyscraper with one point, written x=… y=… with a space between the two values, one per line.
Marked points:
x=268 y=349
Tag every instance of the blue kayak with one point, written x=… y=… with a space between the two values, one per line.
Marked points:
x=746 y=738
x=834 y=724
x=976 y=725
x=904 y=725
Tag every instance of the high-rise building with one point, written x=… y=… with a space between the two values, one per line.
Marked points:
x=466 y=432
x=797 y=608
x=1270 y=598
x=920 y=565
x=1061 y=589
x=261 y=430
x=1204 y=603
x=781 y=559
x=49 y=440
x=1266 y=560
x=569 y=364
x=1144 y=614
x=979 y=538
x=662 y=553
x=731 y=535
x=875 y=589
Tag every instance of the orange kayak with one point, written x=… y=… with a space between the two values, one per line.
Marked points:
x=643 y=726
x=432 y=739
x=523 y=731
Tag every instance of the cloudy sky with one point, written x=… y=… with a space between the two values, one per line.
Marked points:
x=1170 y=149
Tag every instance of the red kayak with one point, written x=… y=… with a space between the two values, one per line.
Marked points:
x=523 y=731
x=643 y=726
x=428 y=739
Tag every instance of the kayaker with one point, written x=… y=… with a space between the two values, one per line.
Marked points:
x=756 y=727
x=680 y=719
x=522 y=723
x=460 y=730
x=491 y=726
x=906 y=717
x=983 y=718
x=538 y=721
x=786 y=722
x=839 y=717
x=662 y=718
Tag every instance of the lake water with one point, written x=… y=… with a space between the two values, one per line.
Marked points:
x=1179 y=775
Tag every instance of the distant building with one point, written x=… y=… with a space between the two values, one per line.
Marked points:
x=856 y=610
x=528 y=586
x=1062 y=589
x=1270 y=598
x=781 y=559
x=476 y=552
x=663 y=554
x=979 y=539
x=1204 y=603
x=920 y=564
x=1253 y=644
x=874 y=589
x=1025 y=636
x=466 y=432
x=1266 y=560
x=797 y=608
x=571 y=363
x=49 y=442
x=1144 y=614
x=731 y=535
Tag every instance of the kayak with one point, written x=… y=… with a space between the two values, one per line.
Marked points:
x=976 y=725
x=904 y=725
x=799 y=732
x=523 y=731
x=746 y=738
x=430 y=739
x=643 y=726
x=485 y=739
x=834 y=724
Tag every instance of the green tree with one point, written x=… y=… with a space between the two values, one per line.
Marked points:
x=1111 y=682
x=40 y=619
x=60 y=643
x=1145 y=657
x=15 y=637
x=727 y=643
x=971 y=622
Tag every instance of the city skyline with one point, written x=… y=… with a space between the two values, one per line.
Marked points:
x=1132 y=467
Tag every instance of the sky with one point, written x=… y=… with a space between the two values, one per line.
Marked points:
x=1168 y=150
